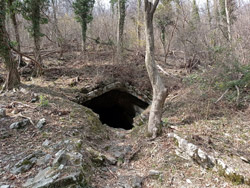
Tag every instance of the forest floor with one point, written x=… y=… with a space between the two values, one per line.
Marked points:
x=153 y=163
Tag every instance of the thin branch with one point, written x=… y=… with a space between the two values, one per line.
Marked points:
x=221 y=97
x=156 y=2
x=171 y=37
x=34 y=61
x=238 y=94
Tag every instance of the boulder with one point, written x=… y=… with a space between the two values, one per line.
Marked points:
x=66 y=171
x=50 y=177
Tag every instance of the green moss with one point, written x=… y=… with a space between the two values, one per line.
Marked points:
x=26 y=162
x=78 y=146
x=94 y=122
x=233 y=177
x=96 y=157
x=247 y=182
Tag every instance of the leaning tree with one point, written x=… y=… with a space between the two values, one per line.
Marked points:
x=83 y=10
x=13 y=79
x=159 y=89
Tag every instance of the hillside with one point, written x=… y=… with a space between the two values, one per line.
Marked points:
x=202 y=144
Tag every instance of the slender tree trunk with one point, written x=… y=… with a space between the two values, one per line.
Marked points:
x=59 y=38
x=38 y=56
x=37 y=37
x=159 y=90
x=120 y=28
x=84 y=33
x=139 y=22
x=13 y=79
x=163 y=42
x=228 y=21
x=209 y=14
x=15 y=24
x=55 y=24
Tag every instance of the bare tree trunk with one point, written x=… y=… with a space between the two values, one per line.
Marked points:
x=228 y=21
x=38 y=56
x=84 y=33
x=59 y=38
x=216 y=13
x=120 y=28
x=209 y=14
x=13 y=79
x=15 y=24
x=159 y=90
x=139 y=22
x=170 y=39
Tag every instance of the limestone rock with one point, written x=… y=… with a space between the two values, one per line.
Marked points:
x=41 y=123
x=44 y=160
x=2 y=113
x=50 y=177
x=130 y=182
x=154 y=173
x=119 y=152
x=4 y=134
x=26 y=164
x=61 y=158
x=65 y=172
x=46 y=143
x=20 y=124
x=5 y=186
x=191 y=152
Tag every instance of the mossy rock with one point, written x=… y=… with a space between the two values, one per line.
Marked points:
x=233 y=177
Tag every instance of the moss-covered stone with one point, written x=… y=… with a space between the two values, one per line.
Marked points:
x=233 y=177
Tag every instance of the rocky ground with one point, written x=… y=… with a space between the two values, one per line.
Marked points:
x=47 y=139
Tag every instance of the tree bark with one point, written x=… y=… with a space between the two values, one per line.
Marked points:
x=209 y=14
x=13 y=79
x=38 y=56
x=55 y=24
x=36 y=18
x=139 y=22
x=228 y=21
x=120 y=28
x=159 y=89
x=15 y=24
x=84 y=33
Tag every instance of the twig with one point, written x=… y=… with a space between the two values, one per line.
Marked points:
x=34 y=61
x=22 y=105
x=21 y=115
x=238 y=94
x=166 y=73
x=222 y=96
x=112 y=173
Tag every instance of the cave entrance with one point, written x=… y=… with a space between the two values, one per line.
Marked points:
x=117 y=108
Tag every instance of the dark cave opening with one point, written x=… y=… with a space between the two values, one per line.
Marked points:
x=117 y=108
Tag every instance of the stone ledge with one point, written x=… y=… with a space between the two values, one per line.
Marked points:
x=192 y=152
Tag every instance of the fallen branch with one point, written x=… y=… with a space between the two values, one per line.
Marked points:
x=163 y=71
x=21 y=115
x=221 y=97
x=238 y=94
x=32 y=60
